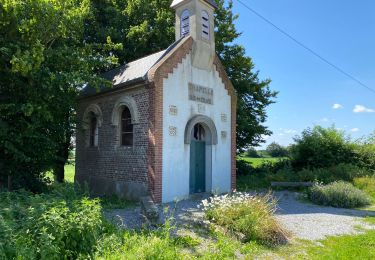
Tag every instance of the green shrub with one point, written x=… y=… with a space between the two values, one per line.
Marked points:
x=244 y=168
x=276 y=150
x=321 y=148
x=338 y=194
x=65 y=224
x=62 y=224
x=252 y=153
x=249 y=215
x=365 y=152
x=340 y=172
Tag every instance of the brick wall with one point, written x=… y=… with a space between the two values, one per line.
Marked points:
x=110 y=167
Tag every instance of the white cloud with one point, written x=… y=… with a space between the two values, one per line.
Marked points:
x=324 y=119
x=362 y=109
x=354 y=129
x=337 y=106
x=290 y=131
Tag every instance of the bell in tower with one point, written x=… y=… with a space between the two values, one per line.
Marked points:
x=195 y=18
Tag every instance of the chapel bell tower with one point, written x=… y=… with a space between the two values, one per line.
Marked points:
x=195 y=18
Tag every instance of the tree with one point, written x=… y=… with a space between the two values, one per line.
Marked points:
x=143 y=27
x=251 y=152
x=320 y=147
x=276 y=150
x=44 y=62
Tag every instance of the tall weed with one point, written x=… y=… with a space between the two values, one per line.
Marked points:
x=250 y=215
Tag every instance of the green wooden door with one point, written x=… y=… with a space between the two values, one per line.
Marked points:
x=197 y=166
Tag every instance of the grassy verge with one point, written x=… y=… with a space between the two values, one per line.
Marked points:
x=345 y=247
x=256 y=162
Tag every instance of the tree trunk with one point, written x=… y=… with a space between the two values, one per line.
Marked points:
x=10 y=186
x=59 y=171
x=62 y=155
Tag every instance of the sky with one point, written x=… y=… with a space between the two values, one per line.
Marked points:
x=310 y=91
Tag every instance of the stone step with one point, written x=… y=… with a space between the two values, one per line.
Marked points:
x=149 y=210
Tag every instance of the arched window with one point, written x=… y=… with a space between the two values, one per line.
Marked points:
x=205 y=25
x=93 y=130
x=185 y=23
x=126 y=127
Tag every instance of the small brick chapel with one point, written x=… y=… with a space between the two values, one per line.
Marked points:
x=167 y=127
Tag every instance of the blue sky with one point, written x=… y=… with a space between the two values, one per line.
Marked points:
x=342 y=31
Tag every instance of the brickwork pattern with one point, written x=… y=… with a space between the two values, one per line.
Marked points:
x=156 y=75
x=109 y=160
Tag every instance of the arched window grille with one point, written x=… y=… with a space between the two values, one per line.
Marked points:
x=205 y=25
x=126 y=127
x=185 y=23
x=93 y=130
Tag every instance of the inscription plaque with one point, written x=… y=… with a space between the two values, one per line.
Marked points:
x=201 y=94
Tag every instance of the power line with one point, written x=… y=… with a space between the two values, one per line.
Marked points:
x=306 y=47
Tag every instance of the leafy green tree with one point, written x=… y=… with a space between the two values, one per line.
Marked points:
x=251 y=152
x=44 y=61
x=320 y=147
x=276 y=150
x=143 y=27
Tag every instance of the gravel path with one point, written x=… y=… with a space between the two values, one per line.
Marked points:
x=312 y=222
x=304 y=220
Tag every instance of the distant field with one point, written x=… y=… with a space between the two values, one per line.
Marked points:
x=69 y=172
x=256 y=162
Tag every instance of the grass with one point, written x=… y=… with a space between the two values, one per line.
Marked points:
x=256 y=162
x=345 y=247
x=69 y=173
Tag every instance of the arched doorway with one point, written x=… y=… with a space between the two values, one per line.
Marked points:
x=198 y=159
x=201 y=136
